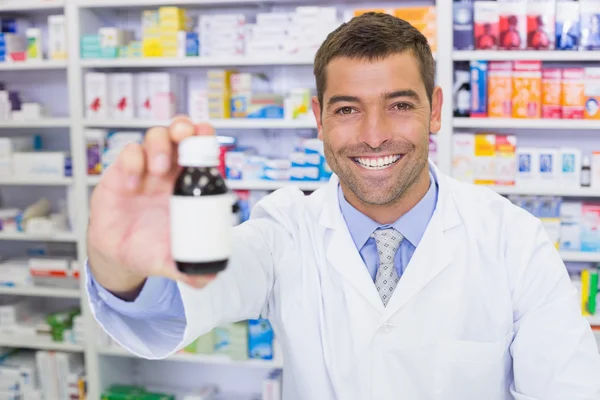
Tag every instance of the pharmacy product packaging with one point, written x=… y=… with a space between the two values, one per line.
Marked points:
x=549 y=165
x=272 y=386
x=143 y=108
x=486 y=25
x=513 y=24
x=463 y=157
x=572 y=93
x=463 y=25
x=260 y=339
x=527 y=88
x=198 y=105
x=527 y=167
x=121 y=90
x=570 y=225
x=548 y=211
x=551 y=93
x=500 y=89
x=97 y=95
x=479 y=88
x=568 y=29
x=590 y=227
x=422 y=18
x=506 y=159
x=570 y=167
x=57 y=37
x=485 y=159
x=595 y=170
x=34 y=44
x=541 y=24
x=94 y=141
x=591 y=93
x=47 y=164
x=462 y=90
x=590 y=24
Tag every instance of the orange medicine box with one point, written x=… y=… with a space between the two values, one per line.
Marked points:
x=572 y=99
x=551 y=90
x=527 y=89
x=500 y=89
x=592 y=93
x=506 y=159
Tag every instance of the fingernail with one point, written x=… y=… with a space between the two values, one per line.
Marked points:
x=161 y=163
x=132 y=182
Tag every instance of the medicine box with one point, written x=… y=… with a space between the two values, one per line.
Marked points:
x=463 y=157
x=570 y=225
x=540 y=24
x=549 y=165
x=500 y=89
x=590 y=23
x=527 y=166
x=595 y=170
x=570 y=167
x=590 y=227
x=462 y=21
x=572 y=93
x=49 y=164
x=485 y=159
x=34 y=44
x=527 y=88
x=591 y=93
x=121 y=92
x=568 y=28
x=479 y=88
x=513 y=24
x=260 y=339
x=506 y=159
x=57 y=37
x=551 y=93
x=96 y=95
x=486 y=25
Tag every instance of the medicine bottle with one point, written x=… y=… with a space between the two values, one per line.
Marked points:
x=201 y=208
x=586 y=172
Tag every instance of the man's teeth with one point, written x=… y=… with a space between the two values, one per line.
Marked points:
x=378 y=162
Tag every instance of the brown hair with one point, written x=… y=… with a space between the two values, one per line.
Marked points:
x=374 y=36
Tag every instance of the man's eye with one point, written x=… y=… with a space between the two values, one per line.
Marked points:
x=402 y=106
x=345 y=110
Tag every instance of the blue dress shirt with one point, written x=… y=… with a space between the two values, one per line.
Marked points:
x=157 y=315
x=411 y=225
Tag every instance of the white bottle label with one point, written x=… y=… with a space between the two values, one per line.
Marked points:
x=201 y=228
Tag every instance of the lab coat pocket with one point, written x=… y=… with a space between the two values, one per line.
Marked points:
x=469 y=370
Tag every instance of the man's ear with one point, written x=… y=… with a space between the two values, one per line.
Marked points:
x=316 y=108
x=436 y=110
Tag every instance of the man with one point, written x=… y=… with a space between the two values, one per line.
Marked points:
x=393 y=282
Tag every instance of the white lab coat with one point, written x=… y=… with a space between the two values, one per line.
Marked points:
x=484 y=311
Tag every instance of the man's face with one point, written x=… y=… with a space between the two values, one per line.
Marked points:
x=375 y=125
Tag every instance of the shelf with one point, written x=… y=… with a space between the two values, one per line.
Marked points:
x=29 y=237
x=160 y=3
x=40 y=123
x=230 y=61
x=248 y=123
x=273 y=185
x=500 y=55
x=37 y=343
x=547 y=191
x=580 y=256
x=33 y=65
x=30 y=5
x=66 y=181
x=517 y=123
x=37 y=291
x=196 y=358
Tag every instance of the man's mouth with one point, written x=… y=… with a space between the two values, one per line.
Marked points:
x=377 y=163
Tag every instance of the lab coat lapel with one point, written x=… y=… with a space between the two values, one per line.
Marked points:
x=434 y=252
x=341 y=252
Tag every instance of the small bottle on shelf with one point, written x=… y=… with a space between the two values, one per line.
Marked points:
x=201 y=210
x=586 y=172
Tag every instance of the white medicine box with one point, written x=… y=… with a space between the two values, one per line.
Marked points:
x=121 y=91
x=96 y=95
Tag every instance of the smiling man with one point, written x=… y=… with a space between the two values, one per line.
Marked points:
x=392 y=282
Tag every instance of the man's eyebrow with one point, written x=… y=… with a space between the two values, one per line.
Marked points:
x=402 y=93
x=342 y=98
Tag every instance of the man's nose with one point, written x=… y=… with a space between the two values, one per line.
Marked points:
x=375 y=129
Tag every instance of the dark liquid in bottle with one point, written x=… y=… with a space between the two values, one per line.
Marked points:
x=198 y=182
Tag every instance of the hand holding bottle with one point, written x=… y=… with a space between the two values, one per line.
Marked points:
x=129 y=233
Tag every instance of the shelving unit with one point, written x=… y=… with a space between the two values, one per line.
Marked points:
x=31 y=5
x=514 y=123
x=580 y=256
x=33 y=65
x=66 y=181
x=37 y=291
x=218 y=123
x=196 y=62
x=29 y=237
x=553 y=55
x=37 y=343
x=40 y=123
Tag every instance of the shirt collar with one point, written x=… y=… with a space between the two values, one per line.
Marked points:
x=411 y=225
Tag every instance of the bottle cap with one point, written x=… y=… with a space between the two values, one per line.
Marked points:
x=586 y=161
x=199 y=151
